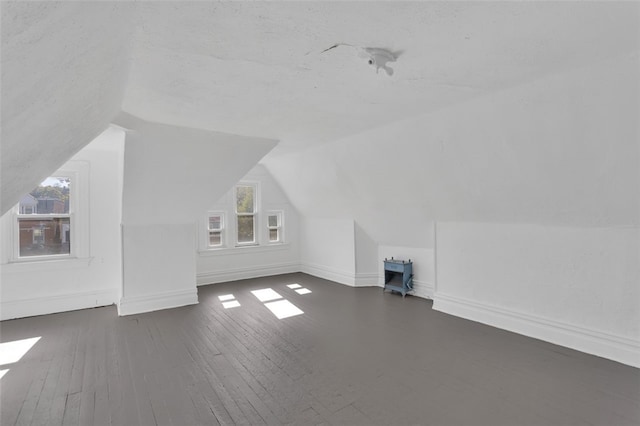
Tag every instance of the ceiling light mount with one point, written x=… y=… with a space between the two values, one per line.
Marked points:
x=376 y=57
x=379 y=58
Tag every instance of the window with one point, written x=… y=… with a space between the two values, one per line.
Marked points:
x=274 y=225
x=44 y=219
x=245 y=200
x=216 y=229
x=239 y=222
x=51 y=222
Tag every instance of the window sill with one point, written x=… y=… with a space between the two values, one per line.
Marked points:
x=47 y=264
x=224 y=251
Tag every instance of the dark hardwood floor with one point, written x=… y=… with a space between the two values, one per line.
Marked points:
x=355 y=356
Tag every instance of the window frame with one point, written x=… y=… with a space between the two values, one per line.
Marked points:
x=279 y=227
x=223 y=230
x=78 y=172
x=227 y=206
x=255 y=215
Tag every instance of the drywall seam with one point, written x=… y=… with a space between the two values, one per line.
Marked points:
x=57 y=303
x=235 y=274
x=617 y=348
x=158 y=301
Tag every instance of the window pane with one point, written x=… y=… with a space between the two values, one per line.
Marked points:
x=273 y=220
x=50 y=197
x=244 y=199
x=245 y=229
x=273 y=235
x=214 y=222
x=215 y=238
x=44 y=237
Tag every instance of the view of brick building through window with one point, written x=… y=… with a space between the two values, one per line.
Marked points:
x=44 y=220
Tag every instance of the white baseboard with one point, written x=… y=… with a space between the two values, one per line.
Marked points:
x=617 y=348
x=225 y=275
x=366 y=280
x=157 y=301
x=328 y=273
x=11 y=309
x=423 y=289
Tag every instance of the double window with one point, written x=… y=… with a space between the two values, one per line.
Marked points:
x=216 y=229
x=44 y=219
x=274 y=226
x=51 y=221
x=245 y=201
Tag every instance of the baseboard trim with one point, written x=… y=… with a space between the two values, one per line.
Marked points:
x=616 y=348
x=236 y=274
x=327 y=273
x=366 y=280
x=155 y=302
x=423 y=289
x=56 y=303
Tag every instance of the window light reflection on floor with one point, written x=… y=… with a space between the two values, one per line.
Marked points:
x=11 y=352
x=283 y=309
x=294 y=286
x=226 y=297
x=231 y=304
x=266 y=294
x=303 y=291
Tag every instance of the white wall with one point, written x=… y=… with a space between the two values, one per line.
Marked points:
x=234 y=263
x=561 y=152
x=327 y=249
x=573 y=286
x=366 y=256
x=171 y=176
x=36 y=288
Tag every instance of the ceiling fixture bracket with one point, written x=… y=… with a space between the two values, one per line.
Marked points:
x=376 y=57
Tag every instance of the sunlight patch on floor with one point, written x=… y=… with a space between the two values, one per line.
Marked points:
x=11 y=352
x=231 y=304
x=283 y=309
x=303 y=291
x=294 y=286
x=266 y=294
x=226 y=297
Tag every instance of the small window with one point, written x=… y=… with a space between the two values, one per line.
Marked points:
x=274 y=225
x=44 y=219
x=245 y=199
x=216 y=229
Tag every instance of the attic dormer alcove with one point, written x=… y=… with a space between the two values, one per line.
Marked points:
x=193 y=168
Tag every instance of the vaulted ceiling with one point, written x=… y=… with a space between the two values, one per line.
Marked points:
x=258 y=69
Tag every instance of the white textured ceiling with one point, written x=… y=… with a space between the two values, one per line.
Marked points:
x=256 y=68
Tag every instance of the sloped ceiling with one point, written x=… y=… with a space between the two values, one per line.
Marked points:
x=64 y=69
x=256 y=68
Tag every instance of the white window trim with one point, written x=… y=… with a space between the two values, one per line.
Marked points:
x=257 y=237
x=78 y=172
x=226 y=207
x=224 y=231
x=280 y=227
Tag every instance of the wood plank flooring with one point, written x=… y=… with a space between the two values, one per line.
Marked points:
x=354 y=357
